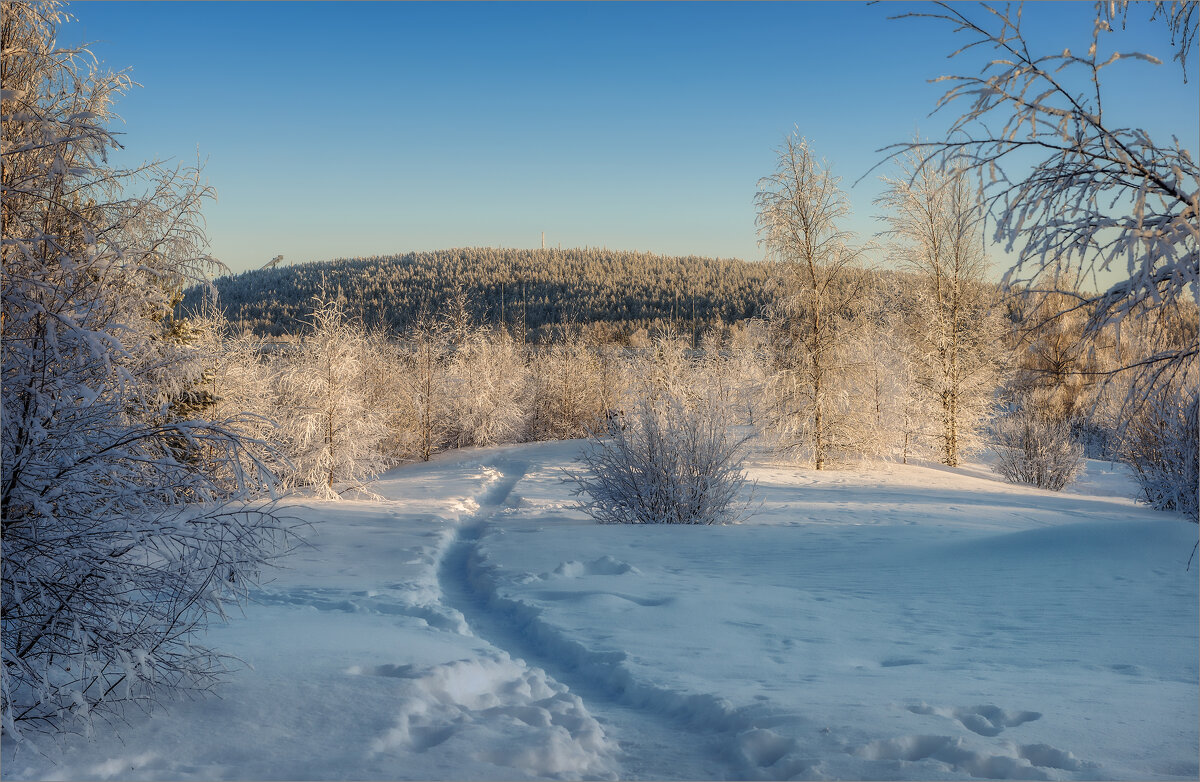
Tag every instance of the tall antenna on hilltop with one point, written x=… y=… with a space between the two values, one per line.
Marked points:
x=693 y=287
x=543 y=240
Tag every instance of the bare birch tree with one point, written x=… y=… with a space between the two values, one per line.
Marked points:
x=818 y=284
x=936 y=222
x=1075 y=192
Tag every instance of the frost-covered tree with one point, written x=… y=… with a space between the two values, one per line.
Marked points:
x=670 y=369
x=748 y=368
x=818 y=288
x=490 y=401
x=574 y=386
x=389 y=386
x=1078 y=193
x=893 y=412
x=331 y=427
x=936 y=223
x=1070 y=188
x=125 y=521
x=236 y=383
x=1057 y=366
x=426 y=358
x=1055 y=359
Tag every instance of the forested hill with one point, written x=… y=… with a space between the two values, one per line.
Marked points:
x=619 y=291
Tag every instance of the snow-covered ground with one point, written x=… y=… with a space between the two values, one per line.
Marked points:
x=904 y=622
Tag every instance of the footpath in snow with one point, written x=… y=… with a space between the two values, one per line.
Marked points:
x=900 y=623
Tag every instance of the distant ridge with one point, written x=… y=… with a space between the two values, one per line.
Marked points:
x=610 y=291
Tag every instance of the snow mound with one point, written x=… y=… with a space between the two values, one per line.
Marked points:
x=495 y=710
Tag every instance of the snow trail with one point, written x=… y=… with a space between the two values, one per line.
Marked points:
x=662 y=734
x=912 y=623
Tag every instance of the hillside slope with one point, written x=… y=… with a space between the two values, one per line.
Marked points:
x=542 y=288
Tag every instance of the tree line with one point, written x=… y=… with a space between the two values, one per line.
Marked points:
x=615 y=292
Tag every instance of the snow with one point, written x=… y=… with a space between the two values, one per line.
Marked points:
x=912 y=622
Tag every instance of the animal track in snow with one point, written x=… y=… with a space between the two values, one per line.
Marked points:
x=1028 y=761
x=604 y=566
x=986 y=720
x=593 y=595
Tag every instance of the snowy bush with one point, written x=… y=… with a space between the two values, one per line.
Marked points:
x=1161 y=445
x=1036 y=449
x=425 y=361
x=574 y=385
x=490 y=403
x=666 y=463
x=124 y=497
x=332 y=430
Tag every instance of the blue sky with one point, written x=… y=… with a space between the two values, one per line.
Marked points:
x=347 y=129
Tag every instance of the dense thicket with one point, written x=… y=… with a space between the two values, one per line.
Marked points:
x=1078 y=191
x=621 y=290
x=123 y=498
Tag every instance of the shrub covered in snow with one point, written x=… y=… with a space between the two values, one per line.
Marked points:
x=573 y=384
x=1161 y=445
x=665 y=463
x=330 y=427
x=123 y=495
x=1035 y=448
x=491 y=399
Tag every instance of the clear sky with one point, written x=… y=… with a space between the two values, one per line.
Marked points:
x=348 y=129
